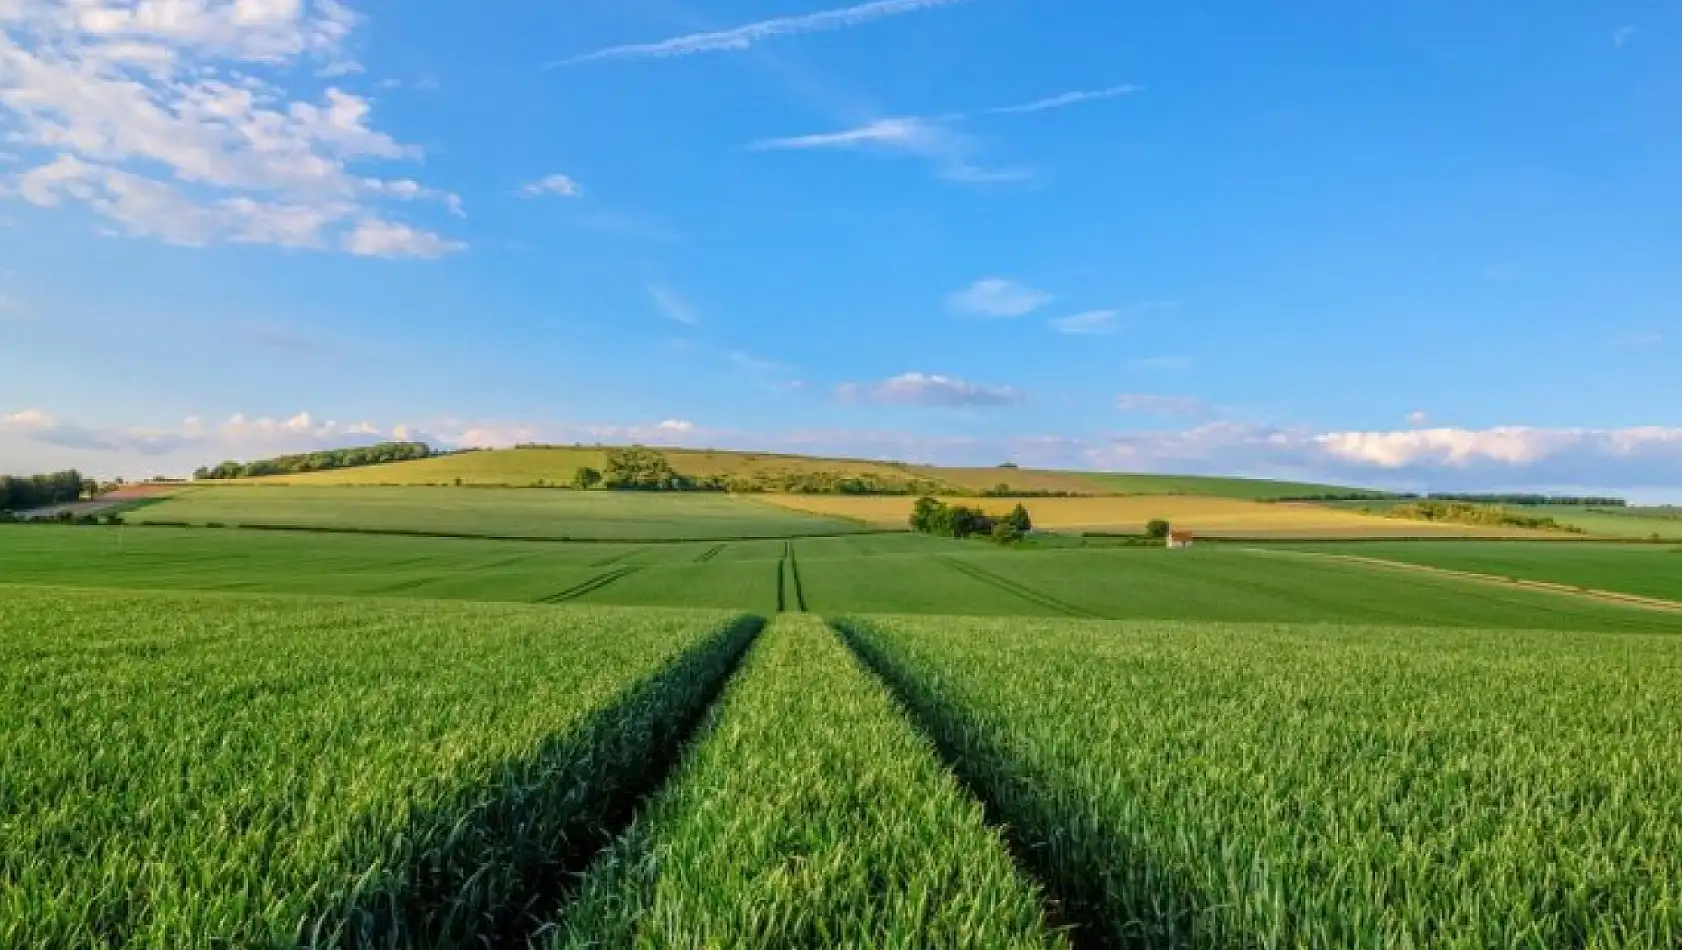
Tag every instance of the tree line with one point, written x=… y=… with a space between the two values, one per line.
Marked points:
x=933 y=516
x=1475 y=514
x=23 y=492
x=323 y=461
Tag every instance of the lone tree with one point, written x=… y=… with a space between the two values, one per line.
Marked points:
x=1020 y=520
x=586 y=478
x=1158 y=529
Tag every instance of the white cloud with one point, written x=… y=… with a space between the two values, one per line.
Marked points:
x=391 y=240
x=552 y=186
x=744 y=37
x=998 y=297
x=1065 y=100
x=1498 y=458
x=1090 y=323
x=1419 y=419
x=904 y=133
x=931 y=389
x=934 y=141
x=672 y=306
x=1161 y=405
x=169 y=119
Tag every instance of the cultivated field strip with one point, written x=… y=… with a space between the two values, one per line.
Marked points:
x=809 y=814
x=198 y=771
x=592 y=584
x=1208 y=786
x=1039 y=598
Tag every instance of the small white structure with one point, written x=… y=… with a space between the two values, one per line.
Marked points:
x=1181 y=540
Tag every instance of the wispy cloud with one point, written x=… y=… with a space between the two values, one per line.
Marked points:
x=1064 y=100
x=932 y=390
x=552 y=186
x=672 y=306
x=998 y=297
x=1157 y=405
x=894 y=132
x=745 y=37
x=938 y=139
x=1419 y=419
x=1621 y=36
x=933 y=140
x=1090 y=323
x=1167 y=363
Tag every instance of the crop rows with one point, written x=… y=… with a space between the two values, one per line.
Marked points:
x=1201 y=786
x=194 y=771
x=810 y=814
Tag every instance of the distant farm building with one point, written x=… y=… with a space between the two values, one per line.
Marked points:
x=1180 y=540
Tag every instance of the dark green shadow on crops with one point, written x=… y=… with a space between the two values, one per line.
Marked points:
x=517 y=844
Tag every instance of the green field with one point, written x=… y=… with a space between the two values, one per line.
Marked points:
x=1631 y=524
x=809 y=757
x=491 y=512
x=860 y=574
x=380 y=740
x=1181 y=785
x=189 y=771
x=1644 y=570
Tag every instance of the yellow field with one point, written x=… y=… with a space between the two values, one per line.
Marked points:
x=1212 y=517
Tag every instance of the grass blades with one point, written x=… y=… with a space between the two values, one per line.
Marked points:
x=810 y=814
x=197 y=771
x=1206 y=786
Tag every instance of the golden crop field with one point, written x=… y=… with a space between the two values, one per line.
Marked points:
x=1213 y=517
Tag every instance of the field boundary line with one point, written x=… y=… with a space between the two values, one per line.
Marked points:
x=1551 y=587
x=1023 y=591
x=592 y=585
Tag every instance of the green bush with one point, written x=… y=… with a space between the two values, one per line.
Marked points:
x=1158 y=529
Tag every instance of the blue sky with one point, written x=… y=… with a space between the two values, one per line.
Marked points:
x=1428 y=244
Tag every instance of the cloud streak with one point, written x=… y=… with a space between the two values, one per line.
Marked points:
x=931 y=390
x=998 y=297
x=672 y=306
x=1089 y=323
x=745 y=37
x=1065 y=100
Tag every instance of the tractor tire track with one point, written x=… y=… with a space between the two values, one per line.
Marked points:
x=710 y=553
x=794 y=576
x=1009 y=586
x=592 y=585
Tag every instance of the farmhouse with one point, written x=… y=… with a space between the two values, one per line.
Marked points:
x=1180 y=540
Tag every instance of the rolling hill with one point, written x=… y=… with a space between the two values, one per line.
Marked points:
x=556 y=466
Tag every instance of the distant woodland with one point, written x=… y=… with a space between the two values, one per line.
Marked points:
x=318 y=461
